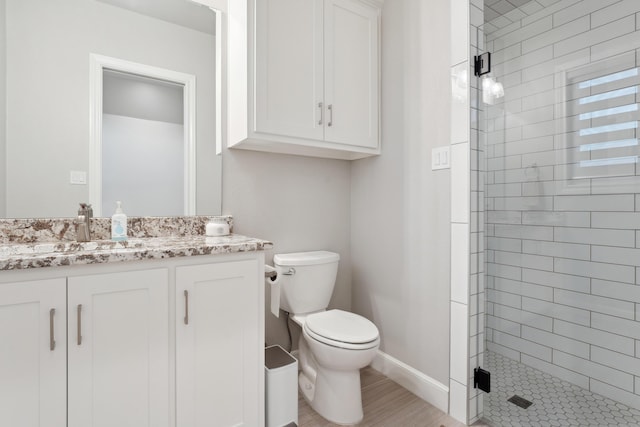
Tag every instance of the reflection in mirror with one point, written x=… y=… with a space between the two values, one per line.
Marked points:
x=142 y=115
x=45 y=50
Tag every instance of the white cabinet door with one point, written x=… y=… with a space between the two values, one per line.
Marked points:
x=33 y=374
x=351 y=73
x=219 y=345
x=119 y=349
x=289 y=68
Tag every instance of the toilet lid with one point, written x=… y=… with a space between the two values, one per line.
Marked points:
x=342 y=326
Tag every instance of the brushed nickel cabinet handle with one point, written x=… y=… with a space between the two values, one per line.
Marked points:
x=186 y=307
x=320 y=105
x=330 y=107
x=52 y=339
x=79 y=324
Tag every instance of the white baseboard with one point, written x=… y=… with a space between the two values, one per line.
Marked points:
x=423 y=386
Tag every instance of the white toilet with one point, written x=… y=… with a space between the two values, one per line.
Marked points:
x=334 y=344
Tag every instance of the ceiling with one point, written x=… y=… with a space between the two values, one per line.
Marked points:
x=181 y=12
x=500 y=13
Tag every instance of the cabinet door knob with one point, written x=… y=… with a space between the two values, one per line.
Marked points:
x=186 y=307
x=52 y=339
x=320 y=106
x=79 y=324
x=330 y=108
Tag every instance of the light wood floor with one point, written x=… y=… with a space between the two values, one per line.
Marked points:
x=386 y=404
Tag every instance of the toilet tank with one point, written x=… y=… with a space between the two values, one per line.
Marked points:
x=310 y=285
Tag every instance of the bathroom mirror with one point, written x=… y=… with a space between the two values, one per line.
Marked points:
x=46 y=95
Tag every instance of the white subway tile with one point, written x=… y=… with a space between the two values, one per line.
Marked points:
x=616 y=325
x=505 y=351
x=614 y=255
x=621 y=291
x=614 y=393
x=504 y=217
x=524 y=317
x=524 y=260
x=460 y=183
x=555 y=249
x=615 y=46
x=558 y=33
x=524 y=289
x=459 y=31
x=556 y=311
x=598 y=35
x=460 y=263
x=504 y=298
x=500 y=244
x=595 y=203
x=613 y=12
x=523 y=346
x=460 y=106
x=615 y=360
x=594 y=303
x=503 y=325
x=615 y=185
x=531 y=232
x=597 y=337
x=549 y=68
x=531 y=189
x=619 y=220
x=557 y=371
x=556 y=280
x=550 y=7
x=458 y=401
x=459 y=336
x=568 y=345
x=564 y=219
x=476 y=16
x=594 y=370
x=618 y=273
x=524 y=203
x=582 y=8
x=596 y=236
x=509 y=36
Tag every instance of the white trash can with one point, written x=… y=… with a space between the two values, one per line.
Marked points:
x=281 y=387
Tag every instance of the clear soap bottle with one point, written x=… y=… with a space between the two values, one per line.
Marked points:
x=119 y=224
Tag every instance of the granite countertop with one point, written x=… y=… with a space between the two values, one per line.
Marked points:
x=51 y=242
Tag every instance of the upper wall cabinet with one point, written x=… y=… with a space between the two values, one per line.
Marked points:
x=313 y=78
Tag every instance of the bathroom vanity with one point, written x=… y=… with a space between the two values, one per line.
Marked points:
x=155 y=331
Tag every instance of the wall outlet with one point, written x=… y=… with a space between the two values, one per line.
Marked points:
x=78 y=177
x=440 y=158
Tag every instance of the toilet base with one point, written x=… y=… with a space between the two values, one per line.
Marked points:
x=335 y=395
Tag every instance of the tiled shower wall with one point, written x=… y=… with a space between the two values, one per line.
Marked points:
x=563 y=209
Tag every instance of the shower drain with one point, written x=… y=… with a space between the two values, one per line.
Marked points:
x=520 y=401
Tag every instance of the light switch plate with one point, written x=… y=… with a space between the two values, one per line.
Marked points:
x=440 y=158
x=78 y=177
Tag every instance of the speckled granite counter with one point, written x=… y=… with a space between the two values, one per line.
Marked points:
x=46 y=242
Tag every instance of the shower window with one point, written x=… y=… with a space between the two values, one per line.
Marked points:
x=600 y=114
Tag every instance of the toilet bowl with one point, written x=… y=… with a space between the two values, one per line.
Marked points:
x=334 y=344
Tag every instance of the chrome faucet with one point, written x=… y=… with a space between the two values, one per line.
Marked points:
x=83 y=223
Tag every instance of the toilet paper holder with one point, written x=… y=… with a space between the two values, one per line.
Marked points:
x=273 y=273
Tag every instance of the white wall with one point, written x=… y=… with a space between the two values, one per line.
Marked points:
x=127 y=142
x=48 y=74
x=400 y=208
x=3 y=115
x=299 y=203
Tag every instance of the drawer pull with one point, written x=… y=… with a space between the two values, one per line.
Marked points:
x=79 y=324
x=52 y=339
x=186 y=307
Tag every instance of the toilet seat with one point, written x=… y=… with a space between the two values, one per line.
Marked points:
x=342 y=329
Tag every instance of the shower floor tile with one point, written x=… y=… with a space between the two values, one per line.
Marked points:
x=555 y=402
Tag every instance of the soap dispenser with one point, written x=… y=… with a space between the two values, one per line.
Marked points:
x=118 y=224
